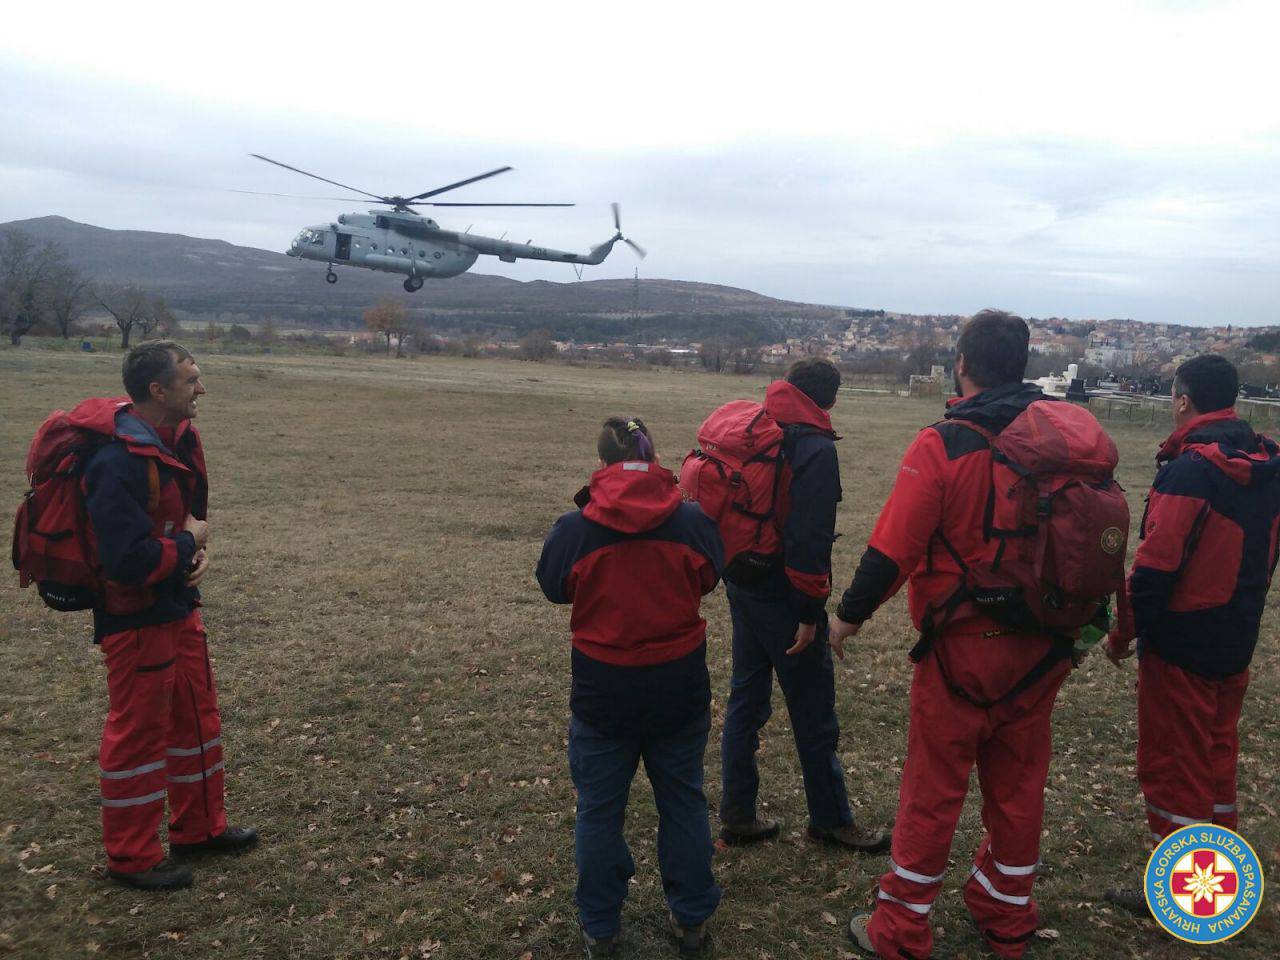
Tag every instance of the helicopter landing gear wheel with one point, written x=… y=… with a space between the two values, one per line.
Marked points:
x=413 y=284
x=331 y=277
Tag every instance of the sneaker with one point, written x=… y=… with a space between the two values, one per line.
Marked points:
x=1131 y=900
x=757 y=830
x=853 y=836
x=230 y=840
x=165 y=875
x=858 y=932
x=692 y=941
x=594 y=949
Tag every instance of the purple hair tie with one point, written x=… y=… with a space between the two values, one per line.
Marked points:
x=644 y=446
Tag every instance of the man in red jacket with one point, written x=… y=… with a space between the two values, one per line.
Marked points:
x=146 y=492
x=930 y=525
x=1196 y=593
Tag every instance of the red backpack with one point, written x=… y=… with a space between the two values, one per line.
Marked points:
x=739 y=476
x=51 y=543
x=1056 y=526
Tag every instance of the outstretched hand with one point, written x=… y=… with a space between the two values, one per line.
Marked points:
x=200 y=566
x=838 y=631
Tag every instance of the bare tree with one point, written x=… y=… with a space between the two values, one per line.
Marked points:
x=69 y=297
x=26 y=275
x=388 y=318
x=130 y=306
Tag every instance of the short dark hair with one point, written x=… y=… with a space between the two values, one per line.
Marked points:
x=817 y=378
x=152 y=361
x=624 y=438
x=994 y=346
x=1209 y=381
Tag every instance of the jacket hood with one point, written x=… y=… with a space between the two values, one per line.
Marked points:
x=630 y=497
x=98 y=414
x=996 y=407
x=790 y=405
x=1229 y=443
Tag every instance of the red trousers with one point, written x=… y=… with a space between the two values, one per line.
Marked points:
x=163 y=737
x=1188 y=745
x=1011 y=745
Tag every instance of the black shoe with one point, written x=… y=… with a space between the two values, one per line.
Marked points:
x=691 y=941
x=594 y=949
x=165 y=875
x=1132 y=900
x=853 y=836
x=230 y=840
x=754 y=831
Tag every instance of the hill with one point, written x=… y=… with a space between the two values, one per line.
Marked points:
x=210 y=278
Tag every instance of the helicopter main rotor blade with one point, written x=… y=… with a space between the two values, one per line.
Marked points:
x=419 y=203
x=297 y=196
x=640 y=252
x=317 y=177
x=452 y=186
x=617 y=219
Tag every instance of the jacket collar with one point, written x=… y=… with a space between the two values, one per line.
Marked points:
x=630 y=497
x=994 y=408
x=1202 y=425
x=788 y=404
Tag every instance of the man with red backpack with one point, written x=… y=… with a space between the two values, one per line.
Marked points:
x=982 y=497
x=777 y=599
x=1210 y=539
x=138 y=469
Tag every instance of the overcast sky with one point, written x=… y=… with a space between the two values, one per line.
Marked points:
x=1091 y=159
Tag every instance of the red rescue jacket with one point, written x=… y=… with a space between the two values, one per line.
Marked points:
x=145 y=555
x=1208 y=549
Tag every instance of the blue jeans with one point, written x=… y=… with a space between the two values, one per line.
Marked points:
x=602 y=768
x=763 y=629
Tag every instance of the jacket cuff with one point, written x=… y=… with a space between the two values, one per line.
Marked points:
x=806 y=609
x=186 y=544
x=875 y=579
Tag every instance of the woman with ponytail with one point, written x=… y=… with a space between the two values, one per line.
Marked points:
x=635 y=562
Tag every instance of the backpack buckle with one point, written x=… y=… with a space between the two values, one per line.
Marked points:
x=1044 y=507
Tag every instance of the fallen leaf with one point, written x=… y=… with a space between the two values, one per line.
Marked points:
x=1044 y=933
x=828 y=917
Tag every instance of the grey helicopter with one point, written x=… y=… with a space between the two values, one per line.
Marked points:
x=401 y=240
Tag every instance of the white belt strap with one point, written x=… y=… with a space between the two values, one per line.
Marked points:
x=914 y=877
x=135 y=772
x=1007 y=898
x=193 y=777
x=914 y=907
x=192 y=751
x=1173 y=817
x=134 y=801
x=1009 y=871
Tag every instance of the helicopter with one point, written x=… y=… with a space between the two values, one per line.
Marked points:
x=401 y=240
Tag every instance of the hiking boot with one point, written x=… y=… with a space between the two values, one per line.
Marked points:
x=692 y=941
x=165 y=875
x=858 y=932
x=853 y=836
x=594 y=949
x=1132 y=900
x=230 y=840
x=757 y=830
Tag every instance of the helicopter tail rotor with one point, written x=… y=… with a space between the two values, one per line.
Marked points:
x=617 y=225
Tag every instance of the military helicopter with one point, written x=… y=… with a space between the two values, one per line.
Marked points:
x=401 y=240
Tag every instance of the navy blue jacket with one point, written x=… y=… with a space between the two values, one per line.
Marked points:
x=804 y=581
x=635 y=562
x=145 y=556
x=1209 y=547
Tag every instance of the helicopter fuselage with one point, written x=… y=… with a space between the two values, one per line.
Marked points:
x=416 y=246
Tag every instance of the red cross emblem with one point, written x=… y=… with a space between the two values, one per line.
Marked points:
x=1204 y=884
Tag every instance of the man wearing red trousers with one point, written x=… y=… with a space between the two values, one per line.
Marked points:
x=146 y=492
x=1196 y=592
x=982 y=693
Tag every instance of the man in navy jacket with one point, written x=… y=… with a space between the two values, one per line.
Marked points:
x=635 y=563
x=780 y=626
x=1196 y=594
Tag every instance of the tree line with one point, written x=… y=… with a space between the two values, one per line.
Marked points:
x=40 y=289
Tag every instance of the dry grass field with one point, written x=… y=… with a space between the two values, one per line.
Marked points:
x=394 y=690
